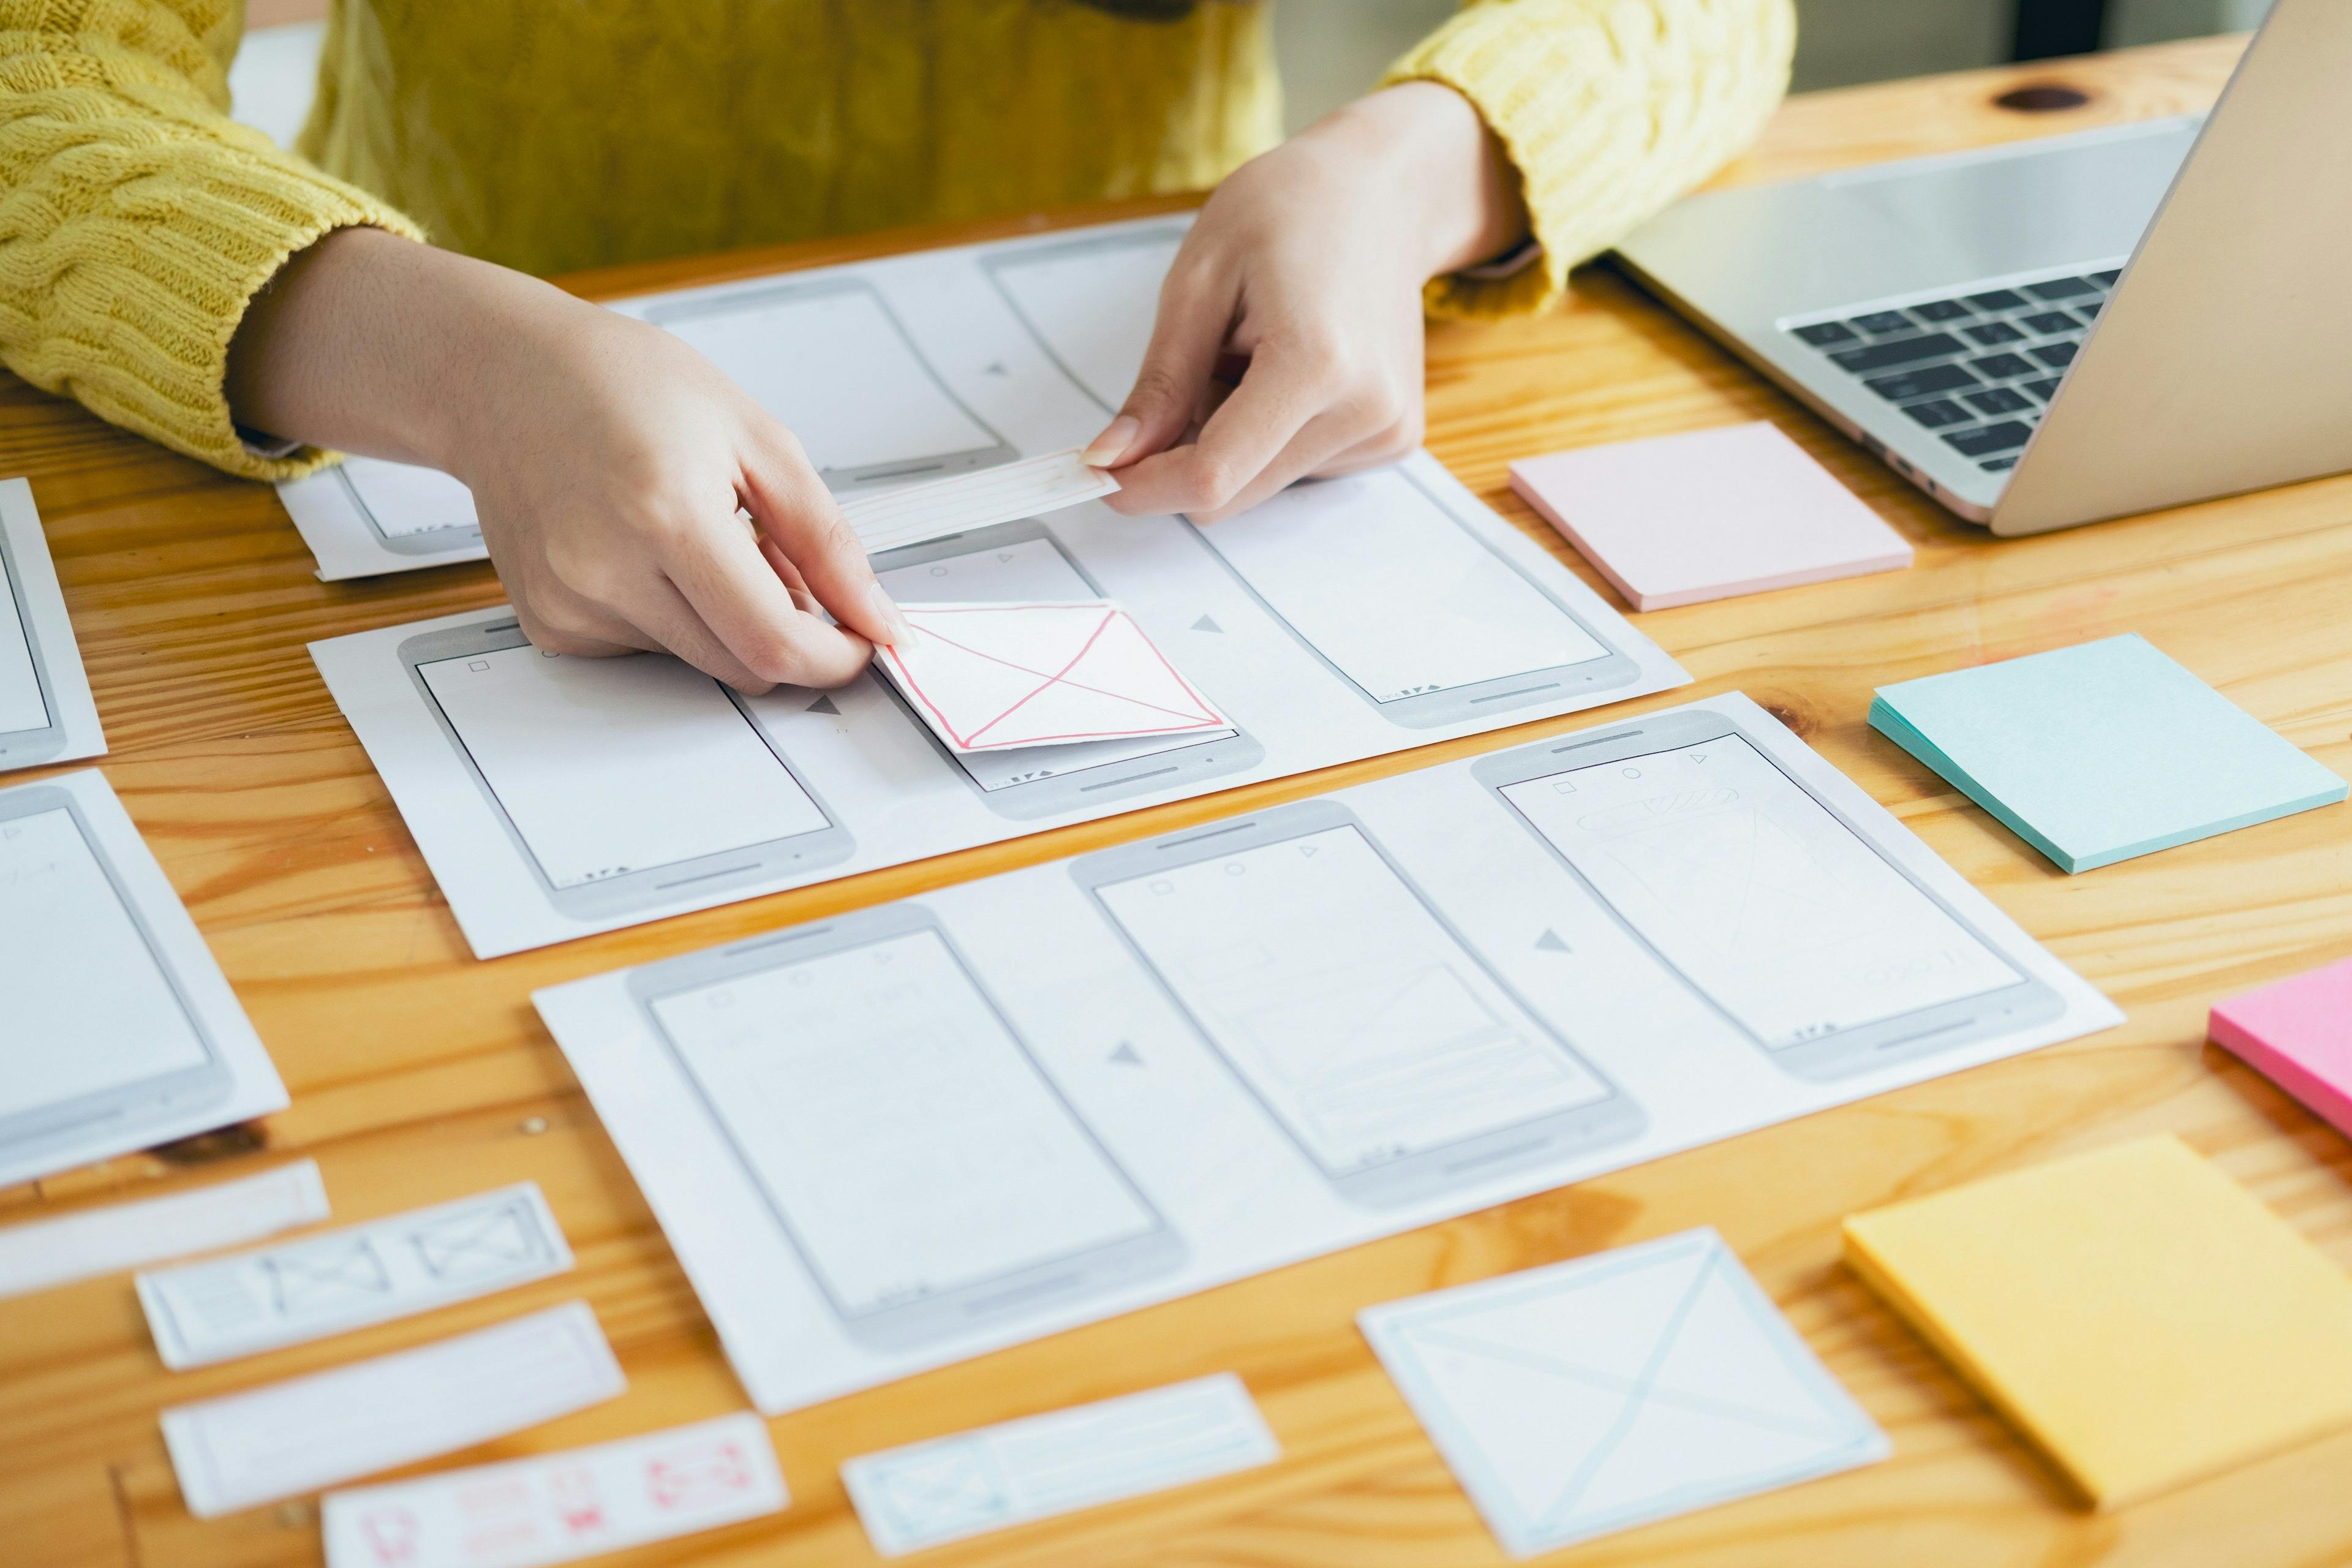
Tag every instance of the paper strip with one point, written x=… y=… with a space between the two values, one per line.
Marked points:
x=558 y=1508
x=933 y=510
x=371 y=1273
x=337 y=1426
x=929 y=1493
x=124 y=1236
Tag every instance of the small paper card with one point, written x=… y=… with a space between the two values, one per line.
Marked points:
x=994 y=676
x=323 y=1285
x=928 y=1493
x=1606 y=1392
x=2298 y=1034
x=286 y=1438
x=1677 y=520
x=124 y=1236
x=560 y=1508
x=1031 y=487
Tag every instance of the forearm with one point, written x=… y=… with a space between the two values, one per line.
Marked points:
x=370 y=342
x=1427 y=141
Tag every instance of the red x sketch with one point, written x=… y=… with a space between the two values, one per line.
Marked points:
x=994 y=676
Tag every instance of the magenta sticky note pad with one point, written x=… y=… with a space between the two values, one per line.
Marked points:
x=1678 y=519
x=2297 y=1034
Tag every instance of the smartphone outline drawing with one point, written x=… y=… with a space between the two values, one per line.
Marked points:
x=444 y=541
x=1177 y=766
x=858 y=477
x=1903 y=1037
x=147 y=1103
x=1612 y=1117
x=648 y=891
x=23 y=748
x=973 y=1306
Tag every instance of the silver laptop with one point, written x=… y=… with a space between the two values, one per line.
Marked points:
x=2068 y=329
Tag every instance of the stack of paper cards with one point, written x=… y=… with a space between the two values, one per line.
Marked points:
x=2100 y=752
x=1681 y=518
x=891 y=520
x=989 y=678
x=2140 y=1318
x=46 y=712
x=1607 y=1392
x=2297 y=1034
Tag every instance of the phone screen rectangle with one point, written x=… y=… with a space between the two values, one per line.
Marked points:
x=1767 y=903
x=1395 y=592
x=1089 y=303
x=1017 y=569
x=836 y=367
x=86 y=1003
x=899 y=1129
x=1351 y=1010
x=22 y=706
x=404 y=500
x=608 y=767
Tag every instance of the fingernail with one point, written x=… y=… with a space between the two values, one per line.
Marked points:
x=1112 y=444
x=901 y=634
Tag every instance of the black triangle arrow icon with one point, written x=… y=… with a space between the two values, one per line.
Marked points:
x=822 y=705
x=1126 y=1053
x=1549 y=942
x=1205 y=624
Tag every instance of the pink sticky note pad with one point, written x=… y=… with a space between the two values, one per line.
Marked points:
x=2297 y=1034
x=1677 y=520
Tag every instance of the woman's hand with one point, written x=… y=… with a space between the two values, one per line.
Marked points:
x=607 y=458
x=1307 y=263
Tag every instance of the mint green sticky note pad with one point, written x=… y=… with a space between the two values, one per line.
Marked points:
x=2100 y=752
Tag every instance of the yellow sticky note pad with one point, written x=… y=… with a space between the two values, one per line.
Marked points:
x=2142 y=1318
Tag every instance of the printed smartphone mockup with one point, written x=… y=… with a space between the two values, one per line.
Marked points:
x=98 y=1035
x=31 y=729
x=624 y=784
x=1397 y=1059
x=932 y=1176
x=1762 y=898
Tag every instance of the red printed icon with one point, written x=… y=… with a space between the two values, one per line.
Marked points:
x=391 y=1534
x=578 y=1503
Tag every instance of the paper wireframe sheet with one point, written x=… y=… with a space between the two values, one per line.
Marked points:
x=46 y=711
x=1606 y=1392
x=989 y=678
x=557 y=796
x=890 y=520
x=1382 y=1007
x=284 y=1438
x=371 y=1273
x=561 y=1507
x=45 y=1253
x=118 y=1030
x=927 y=1494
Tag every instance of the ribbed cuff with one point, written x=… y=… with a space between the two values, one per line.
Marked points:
x=158 y=286
x=1609 y=108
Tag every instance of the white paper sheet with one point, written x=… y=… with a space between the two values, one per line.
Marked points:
x=554 y=797
x=1035 y=487
x=1593 y=1396
x=286 y=1438
x=391 y=1267
x=117 y=1030
x=46 y=711
x=561 y=1507
x=906 y=1136
x=927 y=1494
x=45 y=1253
x=993 y=678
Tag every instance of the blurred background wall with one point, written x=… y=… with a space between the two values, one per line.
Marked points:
x=1332 y=48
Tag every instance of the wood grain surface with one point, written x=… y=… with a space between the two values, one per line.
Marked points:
x=419 y=1075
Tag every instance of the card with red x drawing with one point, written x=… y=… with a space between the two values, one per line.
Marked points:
x=989 y=678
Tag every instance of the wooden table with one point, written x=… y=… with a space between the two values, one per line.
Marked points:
x=420 y=1075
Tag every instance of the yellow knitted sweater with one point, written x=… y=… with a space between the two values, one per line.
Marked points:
x=137 y=220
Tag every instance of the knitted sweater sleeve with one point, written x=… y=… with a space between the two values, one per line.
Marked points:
x=1611 y=108
x=137 y=220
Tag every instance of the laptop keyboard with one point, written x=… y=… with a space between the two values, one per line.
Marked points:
x=1977 y=368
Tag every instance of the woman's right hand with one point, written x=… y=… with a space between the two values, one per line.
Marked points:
x=607 y=458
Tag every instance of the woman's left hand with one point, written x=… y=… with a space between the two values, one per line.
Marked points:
x=1304 y=272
